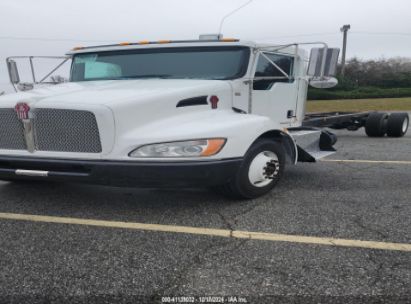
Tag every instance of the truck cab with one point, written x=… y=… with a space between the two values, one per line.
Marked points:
x=223 y=113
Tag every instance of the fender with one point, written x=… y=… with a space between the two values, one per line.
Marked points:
x=288 y=142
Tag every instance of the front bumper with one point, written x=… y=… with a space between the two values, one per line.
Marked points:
x=121 y=173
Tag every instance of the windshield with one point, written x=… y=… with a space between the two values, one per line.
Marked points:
x=214 y=63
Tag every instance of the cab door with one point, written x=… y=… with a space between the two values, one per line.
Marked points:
x=275 y=91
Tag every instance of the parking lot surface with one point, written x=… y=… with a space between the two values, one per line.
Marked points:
x=368 y=201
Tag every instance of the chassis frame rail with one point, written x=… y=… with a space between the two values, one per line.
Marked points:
x=337 y=120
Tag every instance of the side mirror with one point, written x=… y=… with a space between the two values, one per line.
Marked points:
x=323 y=62
x=13 y=71
x=325 y=83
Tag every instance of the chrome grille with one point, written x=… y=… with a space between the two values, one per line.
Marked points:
x=11 y=131
x=60 y=130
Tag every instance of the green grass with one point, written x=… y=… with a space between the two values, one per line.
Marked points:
x=358 y=93
x=383 y=104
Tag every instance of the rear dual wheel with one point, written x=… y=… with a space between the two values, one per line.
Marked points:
x=394 y=125
x=376 y=124
x=397 y=124
x=260 y=171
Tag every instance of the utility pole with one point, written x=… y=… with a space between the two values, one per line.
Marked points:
x=344 y=30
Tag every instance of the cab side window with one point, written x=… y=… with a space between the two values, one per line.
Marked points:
x=266 y=69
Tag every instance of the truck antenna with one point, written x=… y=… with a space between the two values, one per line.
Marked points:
x=232 y=13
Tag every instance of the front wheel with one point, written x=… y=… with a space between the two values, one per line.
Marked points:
x=261 y=169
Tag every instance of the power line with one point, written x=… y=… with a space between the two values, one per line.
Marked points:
x=51 y=39
x=113 y=40
x=336 y=33
x=265 y=38
x=300 y=35
x=381 y=33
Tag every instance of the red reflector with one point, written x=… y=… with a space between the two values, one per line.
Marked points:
x=214 y=101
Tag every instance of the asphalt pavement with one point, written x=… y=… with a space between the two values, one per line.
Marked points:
x=44 y=262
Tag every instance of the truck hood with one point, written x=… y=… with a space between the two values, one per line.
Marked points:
x=124 y=107
x=112 y=92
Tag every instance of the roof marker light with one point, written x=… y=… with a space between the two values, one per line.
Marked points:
x=229 y=40
x=164 y=41
x=124 y=43
x=144 y=42
x=77 y=48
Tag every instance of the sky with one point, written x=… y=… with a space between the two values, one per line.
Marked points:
x=379 y=28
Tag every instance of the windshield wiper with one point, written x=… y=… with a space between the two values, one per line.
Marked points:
x=159 y=76
x=162 y=76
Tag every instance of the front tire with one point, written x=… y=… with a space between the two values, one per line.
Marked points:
x=260 y=171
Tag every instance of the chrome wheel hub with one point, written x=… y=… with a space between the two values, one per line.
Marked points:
x=405 y=125
x=263 y=169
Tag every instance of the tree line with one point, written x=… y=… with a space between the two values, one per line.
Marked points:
x=382 y=78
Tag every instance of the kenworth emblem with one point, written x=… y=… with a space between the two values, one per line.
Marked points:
x=22 y=109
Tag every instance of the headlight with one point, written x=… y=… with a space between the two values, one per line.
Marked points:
x=190 y=148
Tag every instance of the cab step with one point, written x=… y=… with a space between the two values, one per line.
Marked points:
x=313 y=144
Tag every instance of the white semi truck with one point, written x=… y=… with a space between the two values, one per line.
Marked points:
x=213 y=112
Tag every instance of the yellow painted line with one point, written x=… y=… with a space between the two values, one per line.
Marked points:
x=114 y=224
x=273 y=237
x=321 y=241
x=395 y=162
